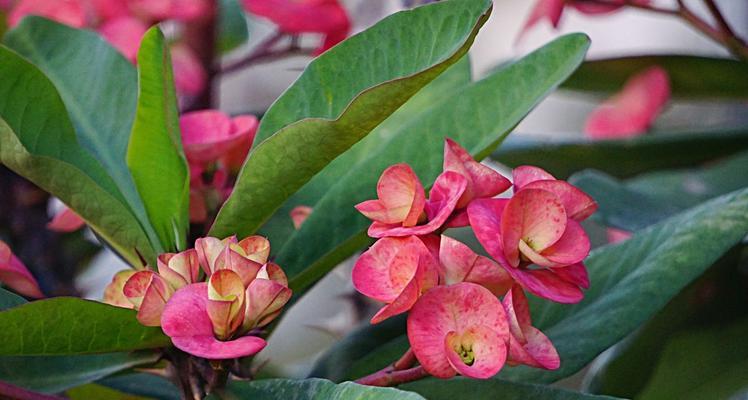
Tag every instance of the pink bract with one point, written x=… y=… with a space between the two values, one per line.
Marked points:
x=443 y=198
x=482 y=181
x=66 y=220
x=299 y=214
x=395 y=271
x=401 y=198
x=458 y=263
x=114 y=291
x=68 y=12
x=15 y=275
x=527 y=344
x=208 y=135
x=460 y=328
x=185 y=319
x=159 y=10
x=305 y=16
x=578 y=204
x=551 y=10
x=634 y=109
x=179 y=269
x=190 y=77
x=124 y=33
x=486 y=220
x=148 y=292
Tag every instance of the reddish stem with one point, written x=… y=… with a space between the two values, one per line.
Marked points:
x=389 y=377
x=200 y=36
x=12 y=392
x=406 y=361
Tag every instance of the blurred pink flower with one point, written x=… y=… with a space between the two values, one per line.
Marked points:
x=68 y=12
x=124 y=34
x=551 y=10
x=295 y=17
x=634 y=109
x=15 y=275
x=299 y=214
x=209 y=135
x=190 y=77
x=66 y=220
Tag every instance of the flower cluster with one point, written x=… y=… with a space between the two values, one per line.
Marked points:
x=216 y=317
x=456 y=322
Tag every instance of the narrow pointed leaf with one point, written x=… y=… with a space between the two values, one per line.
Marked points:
x=154 y=154
x=341 y=96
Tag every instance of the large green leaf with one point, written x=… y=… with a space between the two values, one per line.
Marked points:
x=314 y=389
x=154 y=153
x=103 y=108
x=639 y=202
x=690 y=76
x=38 y=142
x=9 y=299
x=630 y=282
x=478 y=117
x=620 y=157
x=495 y=389
x=66 y=325
x=702 y=364
x=633 y=280
x=52 y=374
x=341 y=96
x=280 y=227
x=143 y=384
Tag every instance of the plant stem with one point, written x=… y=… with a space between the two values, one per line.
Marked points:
x=726 y=38
x=389 y=377
x=262 y=51
x=406 y=361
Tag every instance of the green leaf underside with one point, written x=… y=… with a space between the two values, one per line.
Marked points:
x=633 y=280
x=630 y=282
x=38 y=142
x=494 y=389
x=315 y=389
x=52 y=374
x=232 y=25
x=495 y=105
x=154 y=154
x=563 y=157
x=341 y=96
x=702 y=364
x=280 y=227
x=66 y=325
x=143 y=384
x=690 y=76
x=103 y=108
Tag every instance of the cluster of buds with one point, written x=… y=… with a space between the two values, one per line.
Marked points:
x=214 y=317
x=457 y=322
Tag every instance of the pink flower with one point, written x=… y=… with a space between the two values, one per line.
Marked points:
x=551 y=10
x=187 y=322
x=482 y=181
x=190 y=77
x=182 y=10
x=245 y=257
x=179 y=269
x=537 y=219
x=15 y=275
x=124 y=33
x=148 y=292
x=208 y=135
x=395 y=271
x=527 y=344
x=305 y=16
x=66 y=220
x=578 y=204
x=299 y=214
x=68 y=12
x=634 y=109
x=401 y=205
x=458 y=263
x=461 y=328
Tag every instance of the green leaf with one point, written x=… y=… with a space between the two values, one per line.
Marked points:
x=67 y=325
x=314 y=389
x=232 y=26
x=702 y=364
x=620 y=157
x=633 y=280
x=94 y=391
x=101 y=110
x=38 y=142
x=639 y=202
x=495 y=105
x=143 y=384
x=341 y=96
x=9 y=299
x=280 y=227
x=494 y=389
x=53 y=374
x=154 y=154
x=690 y=76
